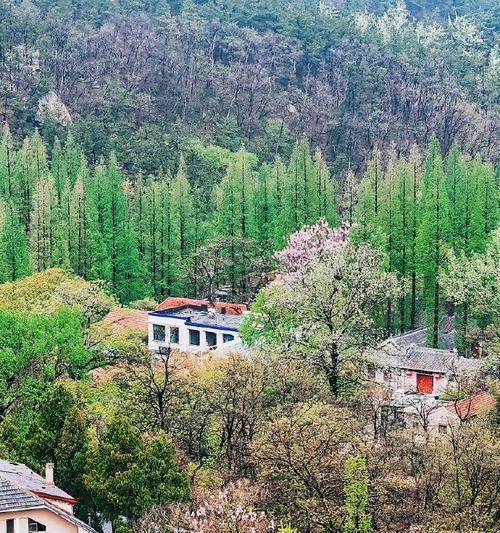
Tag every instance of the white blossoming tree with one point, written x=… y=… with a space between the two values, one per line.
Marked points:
x=323 y=308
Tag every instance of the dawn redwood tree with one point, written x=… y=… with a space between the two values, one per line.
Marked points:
x=471 y=284
x=326 y=191
x=7 y=154
x=484 y=215
x=120 y=238
x=348 y=198
x=415 y=189
x=432 y=234
x=235 y=215
x=387 y=221
x=41 y=235
x=14 y=259
x=58 y=168
x=181 y=226
x=83 y=227
x=325 y=305
x=370 y=195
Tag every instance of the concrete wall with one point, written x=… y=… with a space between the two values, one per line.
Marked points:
x=397 y=379
x=53 y=522
x=184 y=335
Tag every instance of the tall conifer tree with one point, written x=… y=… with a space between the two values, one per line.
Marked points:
x=432 y=234
x=14 y=259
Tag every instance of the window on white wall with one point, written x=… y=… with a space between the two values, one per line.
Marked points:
x=194 y=337
x=227 y=337
x=35 y=526
x=158 y=333
x=10 y=525
x=211 y=338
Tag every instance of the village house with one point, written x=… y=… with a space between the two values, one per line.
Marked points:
x=195 y=325
x=419 y=380
x=425 y=414
x=30 y=502
x=404 y=363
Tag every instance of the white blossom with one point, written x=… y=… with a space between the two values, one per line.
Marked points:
x=363 y=20
x=394 y=21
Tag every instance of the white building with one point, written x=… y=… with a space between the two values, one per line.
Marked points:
x=404 y=363
x=193 y=328
x=431 y=417
x=30 y=502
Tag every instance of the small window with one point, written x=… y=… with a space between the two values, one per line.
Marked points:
x=10 y=525
x=35 y=526
x=158 y=333
x=211 y=338
x=174 y=335
x=194 y=337
x=443 y=429
x=371 y=372
x=227 y=337
x=387 y=375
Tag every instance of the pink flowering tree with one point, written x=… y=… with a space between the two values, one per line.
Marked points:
x=324 y=306
x=230 y=509
x=310 y=244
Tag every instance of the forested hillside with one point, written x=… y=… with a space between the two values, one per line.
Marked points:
x=142 y=82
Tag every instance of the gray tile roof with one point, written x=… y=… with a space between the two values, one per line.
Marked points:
x=13 y=497
x=418 y=337
x=23 y=476
x=400 y=352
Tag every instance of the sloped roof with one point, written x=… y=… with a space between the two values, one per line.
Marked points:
x=419 y=337
x=13 y=497
x=69 y=517
x=231 y=308
x=472 y=406
x=19 y=490
x=406 y=355
x=25 y=478
x=123 y=317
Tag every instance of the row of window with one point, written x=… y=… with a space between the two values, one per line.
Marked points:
x=160 y=335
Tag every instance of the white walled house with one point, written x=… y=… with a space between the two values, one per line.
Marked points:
x=30 y=502
x=194 y=327
x=402 y=363
x=430 y=417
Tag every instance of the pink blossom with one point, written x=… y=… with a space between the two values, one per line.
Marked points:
x=310 y=244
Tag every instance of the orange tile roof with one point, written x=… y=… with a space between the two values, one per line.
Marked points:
x=472 y=406
x=231 y=309
x=123 y=317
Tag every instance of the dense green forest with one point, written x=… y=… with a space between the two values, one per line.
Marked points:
x=332 y=163
x=218 y=220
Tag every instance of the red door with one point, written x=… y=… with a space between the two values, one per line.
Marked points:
x=425 y=383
